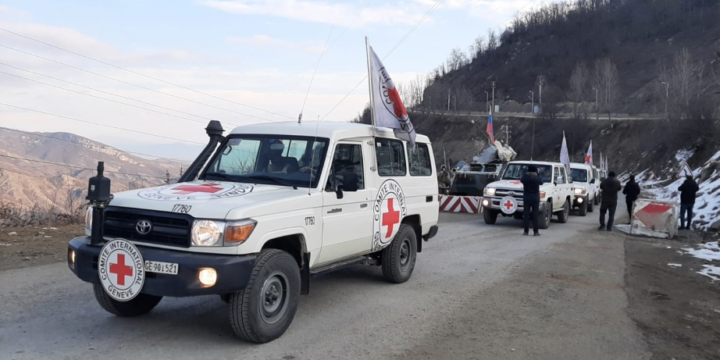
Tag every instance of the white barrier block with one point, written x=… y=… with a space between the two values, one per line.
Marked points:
x=655 y=218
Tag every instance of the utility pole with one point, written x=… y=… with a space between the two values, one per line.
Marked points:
x=507 y=129
x=667 y=96
x=541 y=81
x=448 y=108
x=532 y=144
x=532 y=103
x=487 y=101
x=492 y=109
x=597 y=108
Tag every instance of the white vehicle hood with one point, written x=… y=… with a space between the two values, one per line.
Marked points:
x=514 y=185
x=215 y=199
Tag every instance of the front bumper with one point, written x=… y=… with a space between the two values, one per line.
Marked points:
x=494 y=204
x=233 y=271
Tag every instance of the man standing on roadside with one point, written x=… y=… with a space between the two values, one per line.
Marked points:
x=610 y=188
x=688 y=191
x=531 y=198
x=631 y=191
x=444 y=180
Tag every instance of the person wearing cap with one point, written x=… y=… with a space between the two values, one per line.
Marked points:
x=688 y=192
x=610 y=188
x=531 y=198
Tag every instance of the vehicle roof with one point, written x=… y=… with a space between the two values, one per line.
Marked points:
x=580 y=166
x=335 y=130
x=534 y=162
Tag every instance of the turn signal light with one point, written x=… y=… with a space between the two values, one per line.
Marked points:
x=542 y=194
x=237 y=233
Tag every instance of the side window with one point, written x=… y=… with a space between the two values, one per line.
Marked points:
x=390 y=156
x=347 y=159
x=420 y=161
x=556 y=175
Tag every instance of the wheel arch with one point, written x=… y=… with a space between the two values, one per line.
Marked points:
x=415 y=222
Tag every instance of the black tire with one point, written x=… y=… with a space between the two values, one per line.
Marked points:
x=591 y=206
x=140 y=305
x=584 y=208
x=490 y=216
x=264 y=310
x=565 y=213
x=544 y=220
x=398 y=259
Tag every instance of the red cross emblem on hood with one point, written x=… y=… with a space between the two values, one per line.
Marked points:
x=190 y=189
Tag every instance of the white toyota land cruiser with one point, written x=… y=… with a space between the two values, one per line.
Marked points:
x=255 y=216
x=505 y=196
x=586 y=187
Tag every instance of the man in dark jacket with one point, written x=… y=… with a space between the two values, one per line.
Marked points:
x=531 y=198
x=610 y=188
x=688 y=191
x=631 y=191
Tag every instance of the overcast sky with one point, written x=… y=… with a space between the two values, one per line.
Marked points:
x=252 y=52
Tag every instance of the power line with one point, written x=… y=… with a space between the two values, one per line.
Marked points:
x=78 y=167
x=102 y=91
x=98 y=124
x=419 y=22
x=101 y=98
x=79 y=144
x=144 y=75
x=317 y=65
x=131 y=84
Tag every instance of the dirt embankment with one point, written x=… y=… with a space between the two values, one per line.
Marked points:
x=631 y=145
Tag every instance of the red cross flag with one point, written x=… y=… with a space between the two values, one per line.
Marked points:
x=387 y=107
x=588 y=157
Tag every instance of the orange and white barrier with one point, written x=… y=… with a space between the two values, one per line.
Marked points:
x=655 y=218
x=460 y=204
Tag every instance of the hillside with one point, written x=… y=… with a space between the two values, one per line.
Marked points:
x=37 y=181
x=657 y=51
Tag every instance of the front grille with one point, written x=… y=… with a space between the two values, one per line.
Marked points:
x=518 y=194
x=167 y=228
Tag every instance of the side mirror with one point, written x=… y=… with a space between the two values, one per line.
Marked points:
x=349 y=181
x=592 y=181
x=558 y=180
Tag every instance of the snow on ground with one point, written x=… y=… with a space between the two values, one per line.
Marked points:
x=708 y=252
x=707 y=204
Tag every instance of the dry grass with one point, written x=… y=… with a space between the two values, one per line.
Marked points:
x=17 y=215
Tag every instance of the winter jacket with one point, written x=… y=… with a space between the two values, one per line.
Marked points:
x=688 y=191
x=444 y=179
x=531 y=186
x=610 y=188
x=631 y=191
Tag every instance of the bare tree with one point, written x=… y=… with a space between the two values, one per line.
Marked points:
x=492 y=42
x=579 y=86
x=607 y=82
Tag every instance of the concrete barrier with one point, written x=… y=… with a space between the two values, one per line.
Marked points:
x=655 y=218
x=460 y=204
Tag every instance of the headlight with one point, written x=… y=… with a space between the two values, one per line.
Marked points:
x=580 y=191
x=88 y=221
x=237 y=232
x=489 y=191
x=207 y=233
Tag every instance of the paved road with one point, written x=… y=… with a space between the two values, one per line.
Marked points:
x=478 y=292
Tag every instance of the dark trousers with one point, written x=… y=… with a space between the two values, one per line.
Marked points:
x=629 y=204
x=686 y=208
x=530 y=211
x=605 y=207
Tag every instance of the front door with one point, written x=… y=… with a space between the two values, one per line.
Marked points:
x=347 y=221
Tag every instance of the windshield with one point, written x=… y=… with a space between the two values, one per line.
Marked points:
x=269 y=159
x=516 y=172
x=580 y=175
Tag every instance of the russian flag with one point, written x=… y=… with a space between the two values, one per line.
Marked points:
x=489 y=129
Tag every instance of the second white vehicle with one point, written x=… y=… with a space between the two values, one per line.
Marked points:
x=586 y=187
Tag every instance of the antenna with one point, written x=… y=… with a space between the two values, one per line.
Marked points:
x=312 y=157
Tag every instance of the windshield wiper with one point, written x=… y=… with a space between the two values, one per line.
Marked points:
x=272 y=179
x=223 y=176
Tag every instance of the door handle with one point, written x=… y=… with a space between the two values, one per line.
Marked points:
x=429 y=198
x=362 y=206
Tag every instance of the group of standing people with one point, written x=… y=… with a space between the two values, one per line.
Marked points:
x=611 y=186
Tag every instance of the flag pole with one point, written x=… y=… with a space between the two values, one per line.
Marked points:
x=370 y=84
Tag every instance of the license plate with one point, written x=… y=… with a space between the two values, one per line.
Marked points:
x=161 y=267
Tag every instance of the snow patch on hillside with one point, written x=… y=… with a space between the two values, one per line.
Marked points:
x=707 y=204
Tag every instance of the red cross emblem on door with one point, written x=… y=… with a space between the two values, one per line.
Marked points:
x=121 y=270
x=391 y=217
